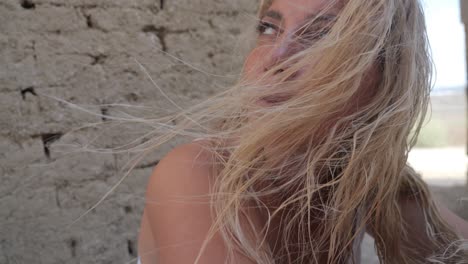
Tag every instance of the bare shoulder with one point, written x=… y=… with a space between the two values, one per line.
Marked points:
x=178 y=210
x=186 y=168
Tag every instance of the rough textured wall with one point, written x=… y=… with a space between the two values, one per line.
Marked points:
x=86 y=52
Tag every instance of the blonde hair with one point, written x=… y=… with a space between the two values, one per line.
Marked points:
x=321 y=166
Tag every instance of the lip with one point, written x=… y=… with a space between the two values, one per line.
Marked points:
x=275 y=99
x=278 y=98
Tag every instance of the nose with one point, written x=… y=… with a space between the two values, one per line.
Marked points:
x=281 y=52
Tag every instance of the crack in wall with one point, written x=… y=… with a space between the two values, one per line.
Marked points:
x=128 y=209
x=104 y=114
x=27 y=4
x=162 y=32
x=33 y=47
x=48 y=139
x=148 y=165
x=28 y=90
x=131 y=248
x=72 y=243
x=98 y=59
x=89 y=21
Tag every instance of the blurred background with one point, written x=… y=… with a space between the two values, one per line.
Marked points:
x=71 y=71
x=440 y=153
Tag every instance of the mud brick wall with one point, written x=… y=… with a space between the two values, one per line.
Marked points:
x=86 y=52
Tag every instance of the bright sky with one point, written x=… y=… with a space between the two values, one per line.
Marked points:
x=447 y=38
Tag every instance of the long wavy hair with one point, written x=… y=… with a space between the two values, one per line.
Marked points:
x=321 y=165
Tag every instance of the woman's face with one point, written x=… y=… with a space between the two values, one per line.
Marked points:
x=279 y=29
x=284 y=30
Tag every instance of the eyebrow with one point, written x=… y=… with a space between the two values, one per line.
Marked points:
x=325 y=17
x=278 y=16
x=274 y=14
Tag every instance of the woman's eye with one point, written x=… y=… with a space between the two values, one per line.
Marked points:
x=311 y=36
x=316 y=35
x=265 y=28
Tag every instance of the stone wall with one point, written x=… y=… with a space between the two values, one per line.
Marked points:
x=87 y=53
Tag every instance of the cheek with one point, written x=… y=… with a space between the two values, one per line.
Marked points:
x=255 y=63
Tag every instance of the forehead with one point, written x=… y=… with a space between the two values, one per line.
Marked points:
x=295 y=11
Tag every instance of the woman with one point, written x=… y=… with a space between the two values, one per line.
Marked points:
x=308 y=151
